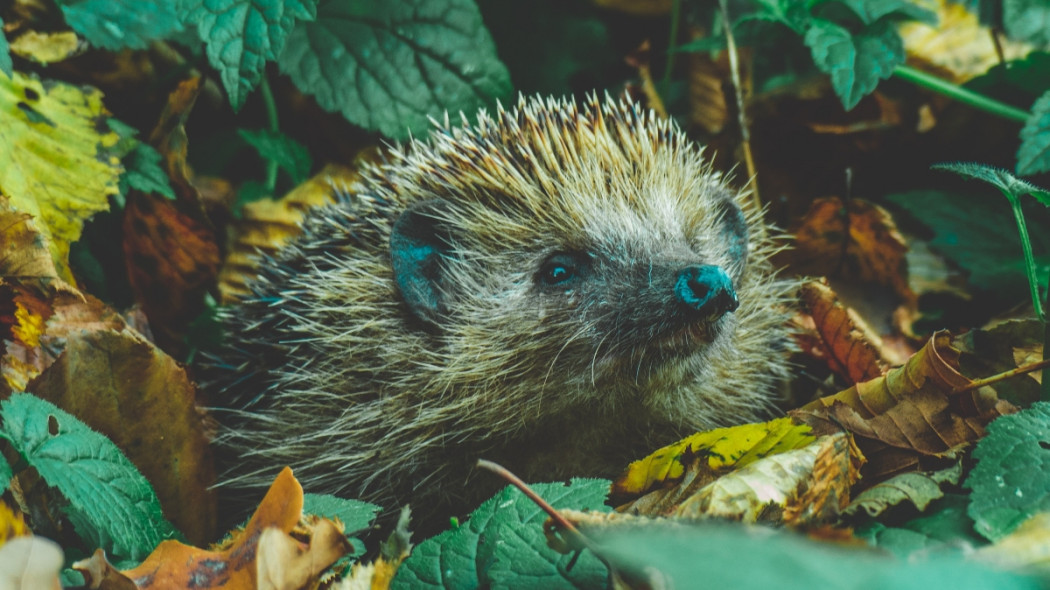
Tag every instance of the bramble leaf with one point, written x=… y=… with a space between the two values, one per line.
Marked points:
x=290 y=155
x=111 y=504
x=857 y=62
x=871 y=11
x=142 y=171
x=1011 y=481
x=242 y=35
x=120 y=24
x=354 y=514
x=1027 y=21
x=503 y=545
x=1033 y=156
x=390 y=66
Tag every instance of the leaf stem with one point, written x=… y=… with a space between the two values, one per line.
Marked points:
x=956 y=92
x=676 y=10
x=271 y=116
x=1029 y=258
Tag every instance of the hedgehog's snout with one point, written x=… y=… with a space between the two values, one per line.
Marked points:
x=706 y=290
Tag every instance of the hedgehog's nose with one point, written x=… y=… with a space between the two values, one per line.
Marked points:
x=706 y=289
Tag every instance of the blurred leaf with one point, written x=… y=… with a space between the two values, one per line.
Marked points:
x=46 y=48
x=944 y=525
x=1011 y=481
x=290 y=155
x=1027 y=20
x=723 y=556
x=110 y=502
x=1033 y=156
x=978 y=232
x=5 y=53
x=1026 y=548
x=503 y=545
x=389 y=66
x=242 y=35
x=121 y=24
x=855 y=62
x=870 y=11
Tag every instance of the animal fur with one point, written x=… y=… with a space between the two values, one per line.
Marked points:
x=373 y=389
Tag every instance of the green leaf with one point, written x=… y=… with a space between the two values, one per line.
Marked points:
x=290 y=155
x=1033 y=156
x=111 y=505
x=142 y=171
x=355 y=515
x=6 y=473
x=871 y=11
x=976 y=231
x=855 y=63
x=732 y=556
x=1012 y=186
x=242 y=35
x=390 y=66
x=1011 y=481
x=120 y=24
x=1027 y=21
x=944 y=526
x=5 y=53
x=502 y=545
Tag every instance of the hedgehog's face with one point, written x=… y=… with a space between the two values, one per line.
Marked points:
x=602 y=301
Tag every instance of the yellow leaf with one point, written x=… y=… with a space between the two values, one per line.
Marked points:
x=723 y=448
x=56 y=168
x=46 y=48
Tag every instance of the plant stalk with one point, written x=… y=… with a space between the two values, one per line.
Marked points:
x=271 y=116
x=672 y=42
x=956 y=92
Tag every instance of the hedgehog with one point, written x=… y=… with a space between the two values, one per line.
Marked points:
x=560 y=287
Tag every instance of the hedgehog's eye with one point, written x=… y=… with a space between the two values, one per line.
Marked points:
x=561 y=269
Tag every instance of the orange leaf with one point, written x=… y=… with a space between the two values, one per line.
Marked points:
x=263 y=555
x=842 y=338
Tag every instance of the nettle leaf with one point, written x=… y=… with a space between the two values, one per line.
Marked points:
x=855 y=63
x=120 y=24
x=1009 y=184
x=290 y=155
x=390 y=66
x=242 y=35
x=1011 y=481
x=1033 y=156
x=111 y=504
x=142 y=171
x=5 y=53
x=502 y=545
x=1027 y=21
x=871 y=11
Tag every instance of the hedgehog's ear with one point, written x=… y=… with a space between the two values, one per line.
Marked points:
x=419 y=241
x=734 y=231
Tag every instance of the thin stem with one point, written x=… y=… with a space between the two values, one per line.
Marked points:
x=672 y=42
x=271 y=117
x=741 y=112
x=956 y=92
x=1029 y=258
x=1044 y=393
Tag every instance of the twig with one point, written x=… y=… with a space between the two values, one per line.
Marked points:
x=1003 y=376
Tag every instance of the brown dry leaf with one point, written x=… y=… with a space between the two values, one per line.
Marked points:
x=170 y=247
x=30 y=563
x=707 y=100
x=678 y=470
x=99 y=574
x=856 y=240
x=268 y=224
x=121 y=385
x=24 y=255
x=910 y=412
x=839 y=336
x=274 y=544
x=803 y=487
